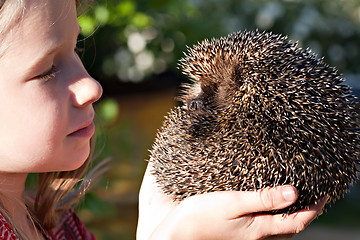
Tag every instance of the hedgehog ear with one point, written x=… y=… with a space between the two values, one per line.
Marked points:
x=208 y=87
x=227 y=87
x=237 y=76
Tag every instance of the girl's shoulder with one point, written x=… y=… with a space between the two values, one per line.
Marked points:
x=71 y=227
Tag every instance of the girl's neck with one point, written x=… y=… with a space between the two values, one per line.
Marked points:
x=12 y=185
x=12 y=198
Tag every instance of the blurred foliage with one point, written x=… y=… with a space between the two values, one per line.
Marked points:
x=125 y=129
x=130 y=40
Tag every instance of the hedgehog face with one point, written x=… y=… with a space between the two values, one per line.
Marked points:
x=261 y=112
x=211 y=94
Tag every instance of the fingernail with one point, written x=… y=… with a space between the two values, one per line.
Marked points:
x=288 y=193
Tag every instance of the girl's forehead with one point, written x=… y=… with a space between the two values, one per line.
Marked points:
x=49 y=12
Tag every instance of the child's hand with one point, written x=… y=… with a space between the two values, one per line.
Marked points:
x=220 y=215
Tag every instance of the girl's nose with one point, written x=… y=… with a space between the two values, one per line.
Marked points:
x=86 y=91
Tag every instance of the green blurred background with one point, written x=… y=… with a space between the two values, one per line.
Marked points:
x=132 y=48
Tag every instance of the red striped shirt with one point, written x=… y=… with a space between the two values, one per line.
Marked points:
x=70 y=228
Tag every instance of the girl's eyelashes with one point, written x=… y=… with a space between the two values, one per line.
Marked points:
x=51 y=73
x=48 y=75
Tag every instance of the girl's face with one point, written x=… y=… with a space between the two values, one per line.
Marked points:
x=46 y=95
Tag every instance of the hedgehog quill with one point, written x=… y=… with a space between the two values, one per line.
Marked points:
x=260 y=112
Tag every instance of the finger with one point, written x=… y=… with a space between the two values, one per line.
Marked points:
x=268 y=225
x=234 y=204
x=267 y=199
x=280 y=236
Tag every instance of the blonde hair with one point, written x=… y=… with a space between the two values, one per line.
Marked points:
x=56 y=190
x=10 y=14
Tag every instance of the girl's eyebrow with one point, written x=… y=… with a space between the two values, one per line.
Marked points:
x=36 y=64
x=52 y=50
x=54 y=45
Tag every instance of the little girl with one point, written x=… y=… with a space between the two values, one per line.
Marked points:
x=46 y=126
x=46 y=118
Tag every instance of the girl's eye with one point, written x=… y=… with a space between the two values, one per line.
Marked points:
x=48 y=75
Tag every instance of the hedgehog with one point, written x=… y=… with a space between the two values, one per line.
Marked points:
x=259 y=111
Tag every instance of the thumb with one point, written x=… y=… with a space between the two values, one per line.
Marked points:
x=239 y=203
x=268 y=199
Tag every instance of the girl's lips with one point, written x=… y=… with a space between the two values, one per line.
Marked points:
x=85 y=132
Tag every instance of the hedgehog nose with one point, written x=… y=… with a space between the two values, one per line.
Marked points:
x=194 y=104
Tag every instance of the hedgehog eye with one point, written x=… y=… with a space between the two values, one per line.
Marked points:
x=194 y=104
